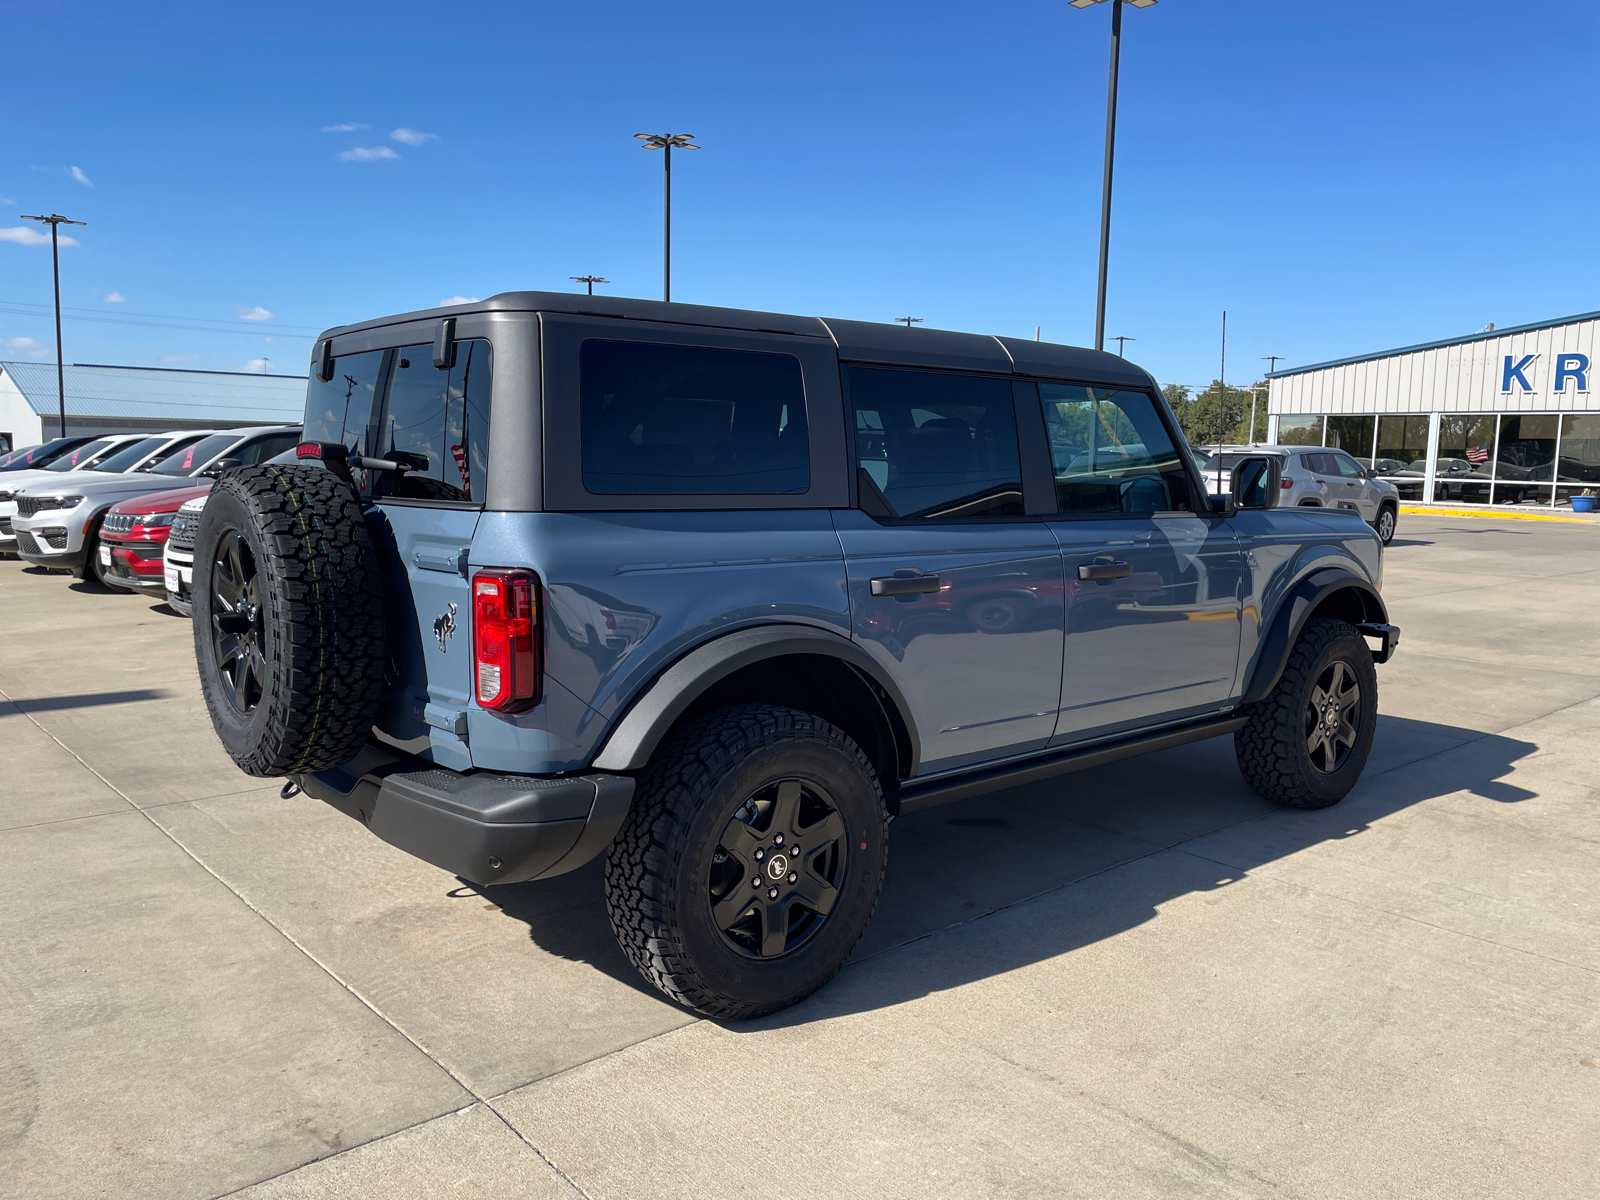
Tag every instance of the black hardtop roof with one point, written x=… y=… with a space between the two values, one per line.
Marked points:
x=857 y=341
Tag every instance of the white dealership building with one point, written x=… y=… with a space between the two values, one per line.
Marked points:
x=1503 y=416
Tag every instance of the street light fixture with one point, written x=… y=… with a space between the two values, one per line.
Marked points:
x=1119 y=341
x=667 y=141
x=908 y=321
x=55 y=220
x=591 y=280
x=1111 y=141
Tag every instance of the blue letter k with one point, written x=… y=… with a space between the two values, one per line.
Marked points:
x=1515 y=371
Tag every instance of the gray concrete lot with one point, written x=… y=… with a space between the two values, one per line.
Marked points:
x=1136 y=981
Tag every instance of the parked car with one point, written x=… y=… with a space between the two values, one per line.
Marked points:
x=557 y=577
x=81 y=456
x=58 y=525
x=178 y=559
x=1318 y=477
x=132 y=537
x=27 y=458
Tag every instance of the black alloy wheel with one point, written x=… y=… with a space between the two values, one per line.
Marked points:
x=777 y=869
x=237 y=632
x=1332 y=717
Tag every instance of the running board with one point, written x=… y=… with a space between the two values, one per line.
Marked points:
x=914 y=797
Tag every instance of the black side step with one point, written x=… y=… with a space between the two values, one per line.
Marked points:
x=914 y=797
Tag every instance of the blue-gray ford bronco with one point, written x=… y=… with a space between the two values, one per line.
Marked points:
x=720 y=594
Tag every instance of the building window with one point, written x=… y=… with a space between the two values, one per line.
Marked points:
x=1299 y=430
x=1353 y=435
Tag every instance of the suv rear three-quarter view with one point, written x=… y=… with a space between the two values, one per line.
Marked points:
x=719 y=594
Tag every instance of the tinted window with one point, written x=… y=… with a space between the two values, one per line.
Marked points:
x=135 y=452
x=83 y=455
x=1111 y=452
x=195 y=455
x=443 y=415
x=938 y=446
x=339 y=410
x=689 y=419
x=254 y=453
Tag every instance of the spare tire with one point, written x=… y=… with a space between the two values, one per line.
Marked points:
x=288 y=619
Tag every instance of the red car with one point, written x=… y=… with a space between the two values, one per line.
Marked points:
x=134 y=534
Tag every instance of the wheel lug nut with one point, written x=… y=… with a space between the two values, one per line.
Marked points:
x=772 y=893
x=760 y=854
x=793 y=877
x=778 y=840
x=756 y=882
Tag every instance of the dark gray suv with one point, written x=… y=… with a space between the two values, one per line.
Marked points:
x=719 y=594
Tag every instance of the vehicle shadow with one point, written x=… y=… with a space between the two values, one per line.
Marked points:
x=965 y=861
x=86 y=700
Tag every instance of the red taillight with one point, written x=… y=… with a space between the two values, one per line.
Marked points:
x=505 y=639
x=1287 y=483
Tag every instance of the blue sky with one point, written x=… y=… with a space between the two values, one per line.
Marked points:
x=1339 y=177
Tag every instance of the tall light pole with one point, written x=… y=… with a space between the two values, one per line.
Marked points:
x=55 y=221
x=1272 y=362
x=908 y=322
x=591 y=280
x=1111 y=142
x=1119 y=341
x=666 y=141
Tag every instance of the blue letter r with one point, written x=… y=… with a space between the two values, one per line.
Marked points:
x=1579 y=370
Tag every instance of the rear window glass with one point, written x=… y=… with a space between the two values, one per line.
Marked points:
x=340 y=409
x=442 y=415
x=683 y=420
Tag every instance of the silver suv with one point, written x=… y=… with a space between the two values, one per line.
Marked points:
x=1318 y=477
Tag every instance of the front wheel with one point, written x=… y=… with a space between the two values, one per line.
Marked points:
x=1385 y=525
x=751 y=861
x=1306 y=743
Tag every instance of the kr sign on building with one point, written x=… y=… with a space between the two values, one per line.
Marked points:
x=1573 y=368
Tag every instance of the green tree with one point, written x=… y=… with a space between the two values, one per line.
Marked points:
x=1221 y=414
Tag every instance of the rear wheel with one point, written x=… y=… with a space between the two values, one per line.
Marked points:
x=1306 y=743
x=1385 y=524
x=751 y=861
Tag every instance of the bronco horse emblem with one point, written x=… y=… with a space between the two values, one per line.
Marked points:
x=444 y=628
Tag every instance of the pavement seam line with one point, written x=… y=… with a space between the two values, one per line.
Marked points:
x=323 y=967
x=1389 y=912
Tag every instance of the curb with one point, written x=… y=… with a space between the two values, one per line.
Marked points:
x=1430 y=511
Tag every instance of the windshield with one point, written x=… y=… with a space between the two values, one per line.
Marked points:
x=196 y=456
x=83 y=455
x=125 y=458
x=18 y=457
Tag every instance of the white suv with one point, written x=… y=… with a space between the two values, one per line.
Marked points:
x=1318 y=477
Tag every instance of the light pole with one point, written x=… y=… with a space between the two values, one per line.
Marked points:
x=1119 y=341
x=55 y=221
x=591 y=280
x=908 y=321
x=1252 y=439
x=1111 y=142
x=666 y=141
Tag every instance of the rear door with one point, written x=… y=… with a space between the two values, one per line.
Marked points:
x=422 y=525
x=1154 y=580
x=954 y=588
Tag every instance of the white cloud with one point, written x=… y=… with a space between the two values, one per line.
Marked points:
x=23 y=236
x=449 y=300
x=254 y=313
x=413 y=137
x=6 y=200
x=258 y=366
x=367 y=154
x=77 y=173
x=174 y=358
x=21 y=343
x=113 y=298
x=345 y=127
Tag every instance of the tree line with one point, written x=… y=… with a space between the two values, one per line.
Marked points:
x=1221 y=413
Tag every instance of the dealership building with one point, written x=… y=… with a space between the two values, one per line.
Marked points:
x=110 y=399
x=1503 y=416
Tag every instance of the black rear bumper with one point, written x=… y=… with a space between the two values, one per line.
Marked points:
x=483 y=826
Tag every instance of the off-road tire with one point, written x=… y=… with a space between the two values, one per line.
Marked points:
x=657 y=868
x=320 y=618
x=1271 y=748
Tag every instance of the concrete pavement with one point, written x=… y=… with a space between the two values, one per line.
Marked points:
x=1135 y=981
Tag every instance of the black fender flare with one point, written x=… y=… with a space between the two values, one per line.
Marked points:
x=633 y=738
x=1291 y=615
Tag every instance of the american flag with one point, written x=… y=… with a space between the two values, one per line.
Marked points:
x=1477 y=454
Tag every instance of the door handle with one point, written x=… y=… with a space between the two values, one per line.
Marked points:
x=432 y=558
x=905 y=585
x=1104 y=569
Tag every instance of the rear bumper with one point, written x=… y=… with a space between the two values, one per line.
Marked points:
x=484 y=826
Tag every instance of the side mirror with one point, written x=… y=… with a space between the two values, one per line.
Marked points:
x=1371 y=472
x=1257 y=482
x=218 y=467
